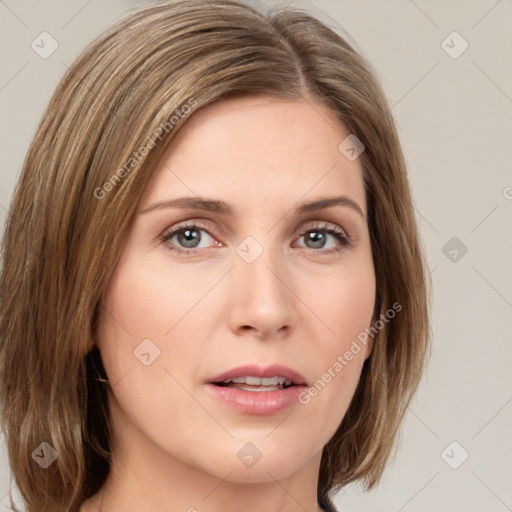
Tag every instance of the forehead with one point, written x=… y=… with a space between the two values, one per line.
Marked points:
x=258 y=150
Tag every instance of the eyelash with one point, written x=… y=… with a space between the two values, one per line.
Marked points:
x=345 y=241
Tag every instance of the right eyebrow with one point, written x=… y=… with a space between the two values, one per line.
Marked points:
x=193 y=203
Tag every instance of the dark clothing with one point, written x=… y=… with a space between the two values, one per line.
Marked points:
x=326 y=504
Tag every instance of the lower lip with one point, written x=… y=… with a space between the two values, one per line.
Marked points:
x=263 y=403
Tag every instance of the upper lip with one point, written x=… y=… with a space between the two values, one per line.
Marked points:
x=254 y=370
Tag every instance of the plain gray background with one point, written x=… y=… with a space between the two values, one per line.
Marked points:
x=453 y=109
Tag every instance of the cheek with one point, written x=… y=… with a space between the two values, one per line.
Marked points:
x=145 y=301
x=356 y=301
x=344 y=304
x=148 y=329
x=140 y=308
x=345 y=307
x=132 y=321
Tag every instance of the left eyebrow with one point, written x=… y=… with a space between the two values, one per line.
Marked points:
x=223 y=208
x=327 y=202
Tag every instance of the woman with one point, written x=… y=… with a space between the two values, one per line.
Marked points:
x=213 y=288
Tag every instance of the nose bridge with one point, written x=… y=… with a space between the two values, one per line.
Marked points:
x=262 y=298
x=259 y=264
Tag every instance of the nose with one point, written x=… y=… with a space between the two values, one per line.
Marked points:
x=261 y=300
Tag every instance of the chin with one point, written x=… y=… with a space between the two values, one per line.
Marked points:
x=249 y=464
x=260 y=473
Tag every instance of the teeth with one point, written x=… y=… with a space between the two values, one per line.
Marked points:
x=257 y=381
x=239 y=380
x=259 y=388
x=254 y=381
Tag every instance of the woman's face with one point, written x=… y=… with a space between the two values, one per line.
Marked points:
x=264 y=284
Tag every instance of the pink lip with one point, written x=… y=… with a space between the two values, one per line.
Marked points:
x=261 y=371
x=258 y=402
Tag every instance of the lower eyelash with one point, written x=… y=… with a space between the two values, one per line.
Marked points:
x=345 y=241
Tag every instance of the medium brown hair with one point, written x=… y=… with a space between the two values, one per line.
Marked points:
x=66 y=227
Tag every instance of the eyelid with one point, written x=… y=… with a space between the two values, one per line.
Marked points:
x=316 y=223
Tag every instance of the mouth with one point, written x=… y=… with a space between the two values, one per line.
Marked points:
x=252 y=377
x=257 y=390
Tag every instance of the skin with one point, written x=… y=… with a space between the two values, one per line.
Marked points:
x=175 y=446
